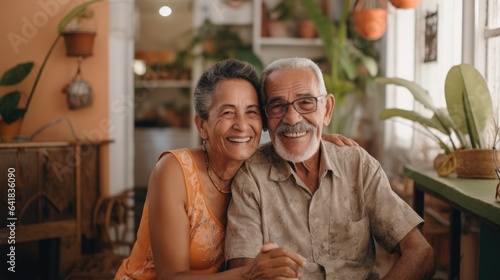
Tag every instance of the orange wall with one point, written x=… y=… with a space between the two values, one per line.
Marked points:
x=35 y=23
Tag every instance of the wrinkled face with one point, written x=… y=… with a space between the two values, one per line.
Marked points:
x=296 y=137
x=234 y=124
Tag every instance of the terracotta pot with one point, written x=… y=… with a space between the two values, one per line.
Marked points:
x=209 y=46
x=476 y=163
x=307 y=29
x=79 y=43
x=8 y=132
x=278 y=29
x=405 y=4
x=370 y=23
x=234 y=3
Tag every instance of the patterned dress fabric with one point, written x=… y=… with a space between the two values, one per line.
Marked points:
x=206 y=231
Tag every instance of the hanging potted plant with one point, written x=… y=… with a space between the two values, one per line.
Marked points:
x=370 y=18
x=405 y=4
x=79 y=34
x=11 y=111
x=468 y=114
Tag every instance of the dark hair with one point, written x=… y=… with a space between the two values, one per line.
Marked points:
x=223 y=70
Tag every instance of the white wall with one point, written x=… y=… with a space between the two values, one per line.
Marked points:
x=432 y=75
x=404 y=57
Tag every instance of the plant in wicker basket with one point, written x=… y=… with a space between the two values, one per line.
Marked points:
x=460 y=127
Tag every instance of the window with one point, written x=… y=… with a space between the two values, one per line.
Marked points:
x=492 y=38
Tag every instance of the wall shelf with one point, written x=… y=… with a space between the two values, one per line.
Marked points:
x=163 y=84
x=290 y=42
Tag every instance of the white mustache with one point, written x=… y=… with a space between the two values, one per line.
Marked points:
x=301 y=126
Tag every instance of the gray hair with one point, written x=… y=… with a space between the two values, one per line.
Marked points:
x=211 y=78
x=292 y=63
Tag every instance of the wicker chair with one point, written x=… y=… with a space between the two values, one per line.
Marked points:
x=113 y=221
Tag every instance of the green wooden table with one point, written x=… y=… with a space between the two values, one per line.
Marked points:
x=474 y=197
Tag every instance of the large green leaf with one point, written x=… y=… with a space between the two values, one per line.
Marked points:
x=468 y=101
x=8 y=107
x=348 y=63
x=370 y=64
x=354 y=58
x=16 y=114
x=16 y=74
x=9 y=101
x=413 y=116
x=73 y=13
x=420 y=94
x=340 y=88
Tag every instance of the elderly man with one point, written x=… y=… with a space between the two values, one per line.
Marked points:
x=325 y=202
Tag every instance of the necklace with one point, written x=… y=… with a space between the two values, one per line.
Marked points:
x=211 y=175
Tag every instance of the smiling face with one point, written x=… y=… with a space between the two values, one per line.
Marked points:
x=295 y=136
x=234 y=124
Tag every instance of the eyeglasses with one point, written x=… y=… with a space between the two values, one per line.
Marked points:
x=304 y=105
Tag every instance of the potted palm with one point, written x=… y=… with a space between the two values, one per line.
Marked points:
x=11 y=111
x=459 y=128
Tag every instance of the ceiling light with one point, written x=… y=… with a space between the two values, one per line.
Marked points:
x=165 y=11
x=140 y=67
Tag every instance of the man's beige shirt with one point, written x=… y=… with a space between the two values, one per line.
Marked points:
x=334 y=229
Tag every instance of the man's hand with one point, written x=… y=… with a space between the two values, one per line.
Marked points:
x=274 y=262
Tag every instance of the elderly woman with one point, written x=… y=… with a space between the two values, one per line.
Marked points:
x=184 y=217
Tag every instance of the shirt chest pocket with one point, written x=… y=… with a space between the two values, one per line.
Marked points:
x=349 y=240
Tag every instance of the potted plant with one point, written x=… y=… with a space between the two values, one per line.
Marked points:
x=370 y=19
x=349 y=65
x=281 y=16
x=10 y=110
x=405 y=4
x=458 y=128
x=306 y=29
x=217 y=42
x=79 y=34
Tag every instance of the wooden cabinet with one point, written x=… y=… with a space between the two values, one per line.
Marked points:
x=45 y=191
x=48 y=192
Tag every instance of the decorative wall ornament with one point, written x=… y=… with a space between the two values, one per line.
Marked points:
x=79 y=91
x=431 y=27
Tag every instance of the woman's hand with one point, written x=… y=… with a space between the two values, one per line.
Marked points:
x=339 y=140
x=275 y=262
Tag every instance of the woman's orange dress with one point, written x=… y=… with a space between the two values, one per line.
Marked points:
x=206 y=232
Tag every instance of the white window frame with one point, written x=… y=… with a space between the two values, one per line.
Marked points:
x=476 y=36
